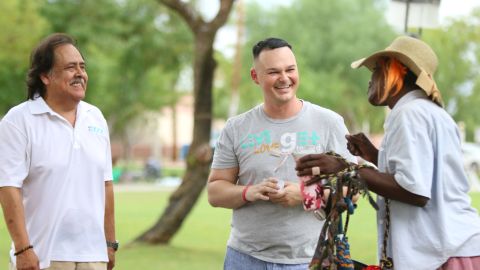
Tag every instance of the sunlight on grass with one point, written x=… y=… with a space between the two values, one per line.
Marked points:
x=201 y=241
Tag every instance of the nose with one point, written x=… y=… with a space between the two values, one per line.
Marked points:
x=80 y=70
x=283 y=77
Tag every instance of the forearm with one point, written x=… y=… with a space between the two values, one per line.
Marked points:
x=109 y=222
x=385 y=185
x=222 y=193
x=13 y=211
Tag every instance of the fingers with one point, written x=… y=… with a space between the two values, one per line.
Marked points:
x=277 y=196
x=305 y=164
x=353 y=149
x=260 y=191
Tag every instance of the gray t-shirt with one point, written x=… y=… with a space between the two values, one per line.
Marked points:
x=256 y=144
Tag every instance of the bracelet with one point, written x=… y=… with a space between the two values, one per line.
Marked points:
x=22 y=250
x=244 y=193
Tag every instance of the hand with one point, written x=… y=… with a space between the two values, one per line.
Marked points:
x=288 y=196
x=326 y=163
x=28 y=260
x=359 y=145
x=111 y=258
x=260 y=191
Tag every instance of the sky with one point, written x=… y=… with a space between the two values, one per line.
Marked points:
x=456 y=8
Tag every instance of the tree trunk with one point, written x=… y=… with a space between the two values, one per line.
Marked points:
x=174 y=133
x=200 y=153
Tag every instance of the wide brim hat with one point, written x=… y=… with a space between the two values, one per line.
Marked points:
x=414 y=54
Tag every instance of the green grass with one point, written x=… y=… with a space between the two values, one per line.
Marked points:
x=201 y=242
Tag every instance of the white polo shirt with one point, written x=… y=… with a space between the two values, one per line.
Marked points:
x=421 y=148
x=61 y=171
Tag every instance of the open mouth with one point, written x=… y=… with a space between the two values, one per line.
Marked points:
x=283 y=86
x=78 y=82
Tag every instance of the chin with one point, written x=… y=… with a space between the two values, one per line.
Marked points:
x=79 y=97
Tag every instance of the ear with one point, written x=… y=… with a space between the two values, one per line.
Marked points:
x=45 y=78
x=253 y=75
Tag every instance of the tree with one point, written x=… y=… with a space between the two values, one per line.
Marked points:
x=22 y=28
x=133 y=64
x=326 y=37
x=200 y=153
x=456 y=46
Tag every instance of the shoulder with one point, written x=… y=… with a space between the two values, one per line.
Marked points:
x=419 y=110
x=17 y=113
x=91 y=109
x=315 y=110
x=244 y=118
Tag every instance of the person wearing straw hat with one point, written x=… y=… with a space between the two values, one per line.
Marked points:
x=425 y=219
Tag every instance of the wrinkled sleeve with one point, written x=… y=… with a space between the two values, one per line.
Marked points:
x=409 y=153
x=14 y=158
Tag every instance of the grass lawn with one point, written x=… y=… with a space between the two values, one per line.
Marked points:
x=200 y=243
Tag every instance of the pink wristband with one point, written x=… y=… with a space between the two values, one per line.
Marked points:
x=244 y=193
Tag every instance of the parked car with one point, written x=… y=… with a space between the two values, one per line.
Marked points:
x=471 y=156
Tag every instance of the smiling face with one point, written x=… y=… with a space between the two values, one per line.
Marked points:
x=275 y=71
x=67 y=81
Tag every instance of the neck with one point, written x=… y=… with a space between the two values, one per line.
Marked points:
x=284 y=110
x=67 y=110
x=393 y=100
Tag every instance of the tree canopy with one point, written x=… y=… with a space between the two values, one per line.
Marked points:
x=130 y=54
x=326 y=37
x=22 y=27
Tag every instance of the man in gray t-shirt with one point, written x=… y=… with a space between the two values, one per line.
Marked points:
x=253 y=171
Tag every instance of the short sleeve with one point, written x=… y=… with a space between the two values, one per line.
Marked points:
x=224 y=156
x=14 y=158
x=409 y=153
x=337 y=141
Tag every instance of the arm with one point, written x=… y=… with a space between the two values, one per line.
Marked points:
x=109 y=223
x=13 y=211
x=385 y=185
x=223 y=192
x=381 y=183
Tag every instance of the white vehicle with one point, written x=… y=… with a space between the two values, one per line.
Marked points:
x=471 y=161
x=471 y=156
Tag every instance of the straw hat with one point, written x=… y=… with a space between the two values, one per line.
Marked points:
x=417 y=56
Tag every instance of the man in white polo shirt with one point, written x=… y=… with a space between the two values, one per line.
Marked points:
x=55 y=168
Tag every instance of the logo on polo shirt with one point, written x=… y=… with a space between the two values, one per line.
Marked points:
x=96 y=130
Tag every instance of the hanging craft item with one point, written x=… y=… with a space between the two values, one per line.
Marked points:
x=333 y=250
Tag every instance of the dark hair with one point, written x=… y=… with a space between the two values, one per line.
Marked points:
x=269 y=44
x=410 y=78
x=41 y=61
